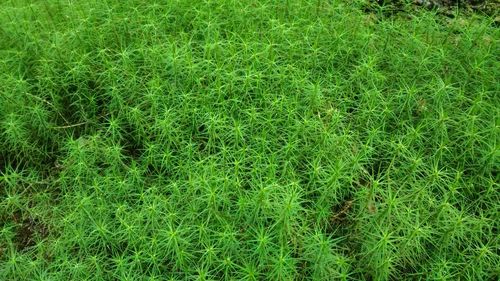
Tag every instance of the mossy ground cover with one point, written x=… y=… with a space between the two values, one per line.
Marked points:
x=247 y=140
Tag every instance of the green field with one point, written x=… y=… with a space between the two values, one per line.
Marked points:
x=247 y=140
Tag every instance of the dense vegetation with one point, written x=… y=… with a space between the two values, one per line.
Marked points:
x=247 y=140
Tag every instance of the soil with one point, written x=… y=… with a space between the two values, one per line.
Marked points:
x=27 y=230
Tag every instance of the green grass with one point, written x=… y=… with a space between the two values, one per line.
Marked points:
x=247 y=140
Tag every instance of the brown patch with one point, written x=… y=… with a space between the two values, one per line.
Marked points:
x=27 y=231
x=325 y=114
x=372 y=208
x=422 y=106
x=488 y=40
x=364 y=182
x=340 y=215
x=371 y=19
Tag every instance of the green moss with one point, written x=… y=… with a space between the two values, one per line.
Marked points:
x=248 y=140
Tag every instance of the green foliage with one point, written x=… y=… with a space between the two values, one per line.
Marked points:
x=246 y=140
